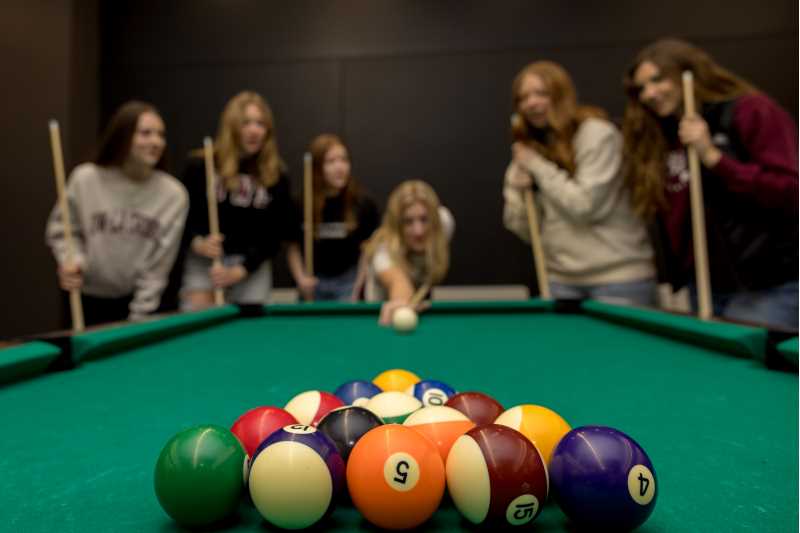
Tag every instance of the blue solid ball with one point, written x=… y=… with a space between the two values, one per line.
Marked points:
x=602 y=479
x=431 y=392
x=357 y=392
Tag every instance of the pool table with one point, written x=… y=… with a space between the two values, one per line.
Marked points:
x=79 y=444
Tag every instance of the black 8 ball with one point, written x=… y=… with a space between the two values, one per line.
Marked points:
x=345 y=425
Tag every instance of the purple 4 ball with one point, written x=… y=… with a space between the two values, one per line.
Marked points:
x=602 y=479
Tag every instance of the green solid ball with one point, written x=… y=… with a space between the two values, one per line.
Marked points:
x=198 y=477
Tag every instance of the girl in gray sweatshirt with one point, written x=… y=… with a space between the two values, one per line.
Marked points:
x=127 y=217
x=594 y=244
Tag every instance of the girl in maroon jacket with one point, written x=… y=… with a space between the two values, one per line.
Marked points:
x=747 y=146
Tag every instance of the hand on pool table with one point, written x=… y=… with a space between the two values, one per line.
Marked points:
x=70 y=276
x=222 y=276
x=209 y=246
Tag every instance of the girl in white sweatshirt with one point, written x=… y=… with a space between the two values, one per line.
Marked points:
x=127 y=217
x=594 y=244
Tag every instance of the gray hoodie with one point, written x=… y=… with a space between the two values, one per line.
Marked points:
x=126 y=232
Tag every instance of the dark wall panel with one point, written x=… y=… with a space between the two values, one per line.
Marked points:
x=41 y=73
x=418 y=89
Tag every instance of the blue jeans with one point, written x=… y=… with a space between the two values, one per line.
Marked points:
x=338 y=288
x=776 y=306
x=641 y=293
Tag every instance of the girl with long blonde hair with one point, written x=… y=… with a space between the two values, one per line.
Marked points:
x=256 y=212
x=411 y=247
x=594 y=245
x=747 y=146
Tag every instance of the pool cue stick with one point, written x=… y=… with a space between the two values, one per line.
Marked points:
x=308 y=214
x=533 y=225
x=213 y=216
x=75 y=304
x=698 y=214
x=419 y=294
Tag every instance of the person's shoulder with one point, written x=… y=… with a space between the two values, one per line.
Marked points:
x=757 y=104
x=85 y=172
x=596 y=130
x=171 y=185
x=598 y=127
x=448 y=221
x=365 y=201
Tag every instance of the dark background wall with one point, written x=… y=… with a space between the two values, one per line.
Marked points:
x=417 y=89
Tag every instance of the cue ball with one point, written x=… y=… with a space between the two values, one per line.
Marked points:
x=404 y=319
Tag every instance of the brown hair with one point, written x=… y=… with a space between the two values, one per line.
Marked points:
x=115 y=144
x=390 y=232
x=564 y=116
x=227 y=144
x=645 y=145
x=319 y=148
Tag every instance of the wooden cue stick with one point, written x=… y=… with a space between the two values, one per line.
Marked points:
x=211 y=200
x=75 y=304
x=517 y=127
x=536 y=243
x=698 y=214
x=308 y=214
x=419 y=294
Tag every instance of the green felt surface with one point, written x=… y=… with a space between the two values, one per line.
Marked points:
x=25 y=360
x=788 y=349
x=79 y=447
x=96 y=344
x=733 y=338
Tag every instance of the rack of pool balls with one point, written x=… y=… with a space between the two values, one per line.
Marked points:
x=393 y=445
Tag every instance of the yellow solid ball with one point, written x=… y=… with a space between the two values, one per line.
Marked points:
x=543 y=427
x=396 y=379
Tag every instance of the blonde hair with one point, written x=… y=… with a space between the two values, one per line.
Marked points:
x=228 y=143
x=390 y=232
x=645 y=145
x=563 y=117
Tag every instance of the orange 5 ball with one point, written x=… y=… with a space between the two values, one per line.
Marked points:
x=396 y=477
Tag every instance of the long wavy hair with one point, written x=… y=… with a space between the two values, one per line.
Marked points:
x=645 y=142
x=318 y=149
x=390 y=233
x=563 y=118
x=115 y=144
x=228 y=143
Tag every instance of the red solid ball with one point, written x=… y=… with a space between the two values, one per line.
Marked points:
x=254 y=426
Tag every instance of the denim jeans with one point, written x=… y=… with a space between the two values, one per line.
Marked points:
x=338 y=288
x=640 y=293
x=776 y=306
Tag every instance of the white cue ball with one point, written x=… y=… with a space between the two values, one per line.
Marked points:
x=404 y=319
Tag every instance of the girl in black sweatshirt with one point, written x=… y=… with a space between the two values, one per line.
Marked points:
x=256 y=212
